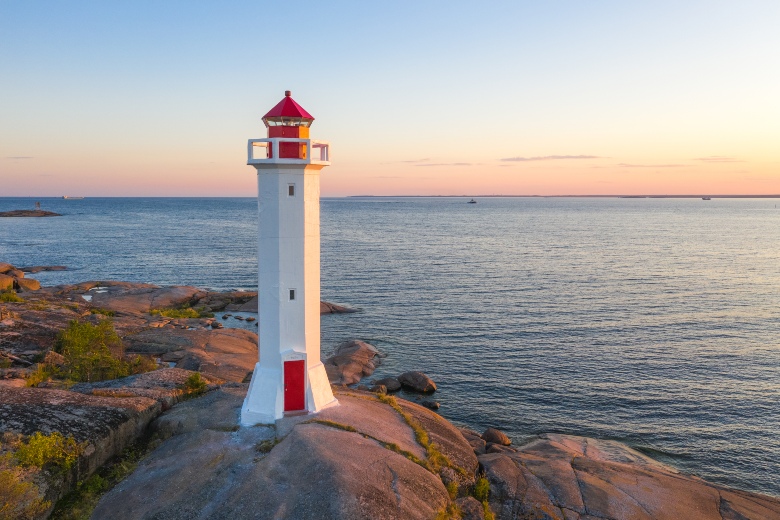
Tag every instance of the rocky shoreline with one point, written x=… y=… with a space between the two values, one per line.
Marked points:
x=374 y=456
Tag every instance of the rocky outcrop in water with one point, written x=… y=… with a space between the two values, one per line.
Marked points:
x=12 y=278
x=417 y=382
x=28 y=213
x=351 y=361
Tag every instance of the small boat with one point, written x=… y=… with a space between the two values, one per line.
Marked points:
x=706 y=198
x=71 y=198
x=472 y=201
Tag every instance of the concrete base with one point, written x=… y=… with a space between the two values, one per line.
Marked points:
x=264 y=402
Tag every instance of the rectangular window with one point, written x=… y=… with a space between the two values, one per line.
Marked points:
x=292 y=294
x=291 y=190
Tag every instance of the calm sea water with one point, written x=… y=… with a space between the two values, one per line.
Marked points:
x=655 y=322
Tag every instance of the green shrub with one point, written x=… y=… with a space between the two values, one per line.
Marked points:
x=482 y=489
x=43 y=372
x=10 y=297
x=91 y=352
x=140 y=364
x=19 y=498
x=104 y=312
x=195 y=384
x=267 y=445
x=188 y=312
x=452 y=490
x=53 y=449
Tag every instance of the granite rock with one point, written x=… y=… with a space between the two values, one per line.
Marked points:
x=417 y=382
x=351 y=361
x=562 y=477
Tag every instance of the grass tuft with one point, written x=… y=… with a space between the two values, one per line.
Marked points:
x=333 y=424
x=267 y=445
x=195 y=384
x=451 y=512
x=182 y=312
x=100 y=310
x=10 y=297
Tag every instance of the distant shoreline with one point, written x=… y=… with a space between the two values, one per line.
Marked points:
x=569 y=196
x=689 y=196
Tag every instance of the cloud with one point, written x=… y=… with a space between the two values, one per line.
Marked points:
x=717 y=159
x=624 y=165
x=446 y=164
x=18 y=157
x=551 y=158
x=412 y=161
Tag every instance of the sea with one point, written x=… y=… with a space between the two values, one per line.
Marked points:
x=650 y=321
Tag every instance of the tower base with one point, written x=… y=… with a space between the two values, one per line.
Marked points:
x=264 y=402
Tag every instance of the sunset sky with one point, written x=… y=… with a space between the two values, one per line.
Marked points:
x=158 y=98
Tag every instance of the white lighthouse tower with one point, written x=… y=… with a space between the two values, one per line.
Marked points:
x=289 y=377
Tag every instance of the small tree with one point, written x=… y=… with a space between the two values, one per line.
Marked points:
x=92 y=352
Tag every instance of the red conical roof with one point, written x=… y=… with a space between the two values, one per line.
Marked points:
x=287 y=107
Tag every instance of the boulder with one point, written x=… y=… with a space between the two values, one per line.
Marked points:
x=350 y=362
x=564 y=477
x=496 y=437
x=27 y=284
x=391 y=383
x=498 y=448
x=16 y=273
x=470 y=508
x=430 y=404
x=476 y=441
x=6 y=282
x=378 y=389
x=332 y=308
x=243 y=306
x=5 y=267
x=417 y=382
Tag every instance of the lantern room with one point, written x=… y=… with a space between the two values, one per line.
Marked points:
x=290 y=120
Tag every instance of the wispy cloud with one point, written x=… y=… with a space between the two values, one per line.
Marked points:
x=446 y=164
x=718 y=159
x=551 y=158
x=625 y=165
x=18 y=157
x=412 y=161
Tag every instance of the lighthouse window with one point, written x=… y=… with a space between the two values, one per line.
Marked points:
x=292 y=294
x=291 y=193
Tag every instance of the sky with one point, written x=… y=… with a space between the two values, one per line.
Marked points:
x=554 y=97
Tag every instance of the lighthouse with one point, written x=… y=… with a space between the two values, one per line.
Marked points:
x=289 y=377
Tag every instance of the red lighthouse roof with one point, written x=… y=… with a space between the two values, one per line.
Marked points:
x=288 y=109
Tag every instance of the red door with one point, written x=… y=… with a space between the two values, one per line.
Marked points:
x=294 y=395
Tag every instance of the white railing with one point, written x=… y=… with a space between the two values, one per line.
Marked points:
x=272 y=144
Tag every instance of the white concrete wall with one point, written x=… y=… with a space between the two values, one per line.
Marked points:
x=288 y=258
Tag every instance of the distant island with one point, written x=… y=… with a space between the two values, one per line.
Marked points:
x=29 y=213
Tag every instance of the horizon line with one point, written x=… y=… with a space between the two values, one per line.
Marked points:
x=620 y=196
